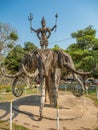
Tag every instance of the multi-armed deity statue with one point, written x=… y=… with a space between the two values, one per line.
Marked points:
x=49 y=65
x=43 y=33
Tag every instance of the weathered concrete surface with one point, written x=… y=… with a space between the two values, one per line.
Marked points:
x=76 y=113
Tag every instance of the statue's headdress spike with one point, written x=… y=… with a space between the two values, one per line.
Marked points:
x=43 y=22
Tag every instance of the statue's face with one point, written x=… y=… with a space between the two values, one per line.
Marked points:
x=43 y=24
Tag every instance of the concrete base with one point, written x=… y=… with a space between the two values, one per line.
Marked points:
x=70 y=107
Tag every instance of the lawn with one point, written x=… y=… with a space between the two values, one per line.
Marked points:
x=92 y=94
x=6 y=126
x=7 y=96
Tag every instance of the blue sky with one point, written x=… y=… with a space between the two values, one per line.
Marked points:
x=73 y=15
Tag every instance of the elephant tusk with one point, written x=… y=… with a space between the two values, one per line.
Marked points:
x=11 y=76
x=75 y=71
x=30 y=75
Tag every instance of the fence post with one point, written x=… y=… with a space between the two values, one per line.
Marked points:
x=57 y=117
x=87 y=90
x=2 y=94
x=25 y=91
x=65 y=87
x=97 y=91
x=11 y=114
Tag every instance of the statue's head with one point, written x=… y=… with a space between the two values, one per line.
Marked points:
x=43 y=22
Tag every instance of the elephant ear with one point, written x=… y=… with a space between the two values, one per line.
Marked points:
x=58 y=58
x=27 y=61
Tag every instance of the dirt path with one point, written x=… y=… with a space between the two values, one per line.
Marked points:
x=75 y=113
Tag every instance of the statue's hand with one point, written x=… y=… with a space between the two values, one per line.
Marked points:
x=55 y=26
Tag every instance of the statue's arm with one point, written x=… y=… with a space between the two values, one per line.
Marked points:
x=32 y=29
x=38 y=34
x=53 y=28
x=49 y=33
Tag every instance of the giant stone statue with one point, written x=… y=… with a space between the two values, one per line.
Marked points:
x=48 y=65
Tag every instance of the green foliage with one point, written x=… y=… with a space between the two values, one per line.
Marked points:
x=73 y=47
x=95 y=41
x=29 y=46
x=81 y=59
x=85 y=39
x=18 y=127
x=10 y=45
x=85 y=51
x=56 y=47
x=13 y=36
x=8 y=36
x=13 y=59
x=8 y=89
x=6 y=126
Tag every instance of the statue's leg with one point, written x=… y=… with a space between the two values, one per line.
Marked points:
x=46 y=44
x=50 y=83
x=46 y=47
x=46 y=95
x=53 y=90
x=42 y=100
x=42 y=44
x=46 y=89
x=56 y=83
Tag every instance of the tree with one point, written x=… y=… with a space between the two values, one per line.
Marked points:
x=82 y=51
x=14 y=58
x=56 y=47
x=85 y=38
x=29 y=46
x=8 y=36
x=95 y=55
x=95 y=47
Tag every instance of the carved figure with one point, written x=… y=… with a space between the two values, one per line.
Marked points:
x=48 y=64
x=43 y=33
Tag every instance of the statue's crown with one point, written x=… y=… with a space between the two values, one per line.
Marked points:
x=43 y=21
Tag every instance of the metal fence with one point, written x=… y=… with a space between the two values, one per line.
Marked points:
x=90 y=90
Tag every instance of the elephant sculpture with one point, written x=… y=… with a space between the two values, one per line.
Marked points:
x=49 y=66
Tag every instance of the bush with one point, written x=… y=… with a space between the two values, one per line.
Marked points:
x=8 y=89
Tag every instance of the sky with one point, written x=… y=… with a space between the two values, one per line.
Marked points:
x=73 y=15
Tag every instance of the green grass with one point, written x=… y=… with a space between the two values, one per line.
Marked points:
x=92 y=95
x=6 y=126
x=7 y=96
